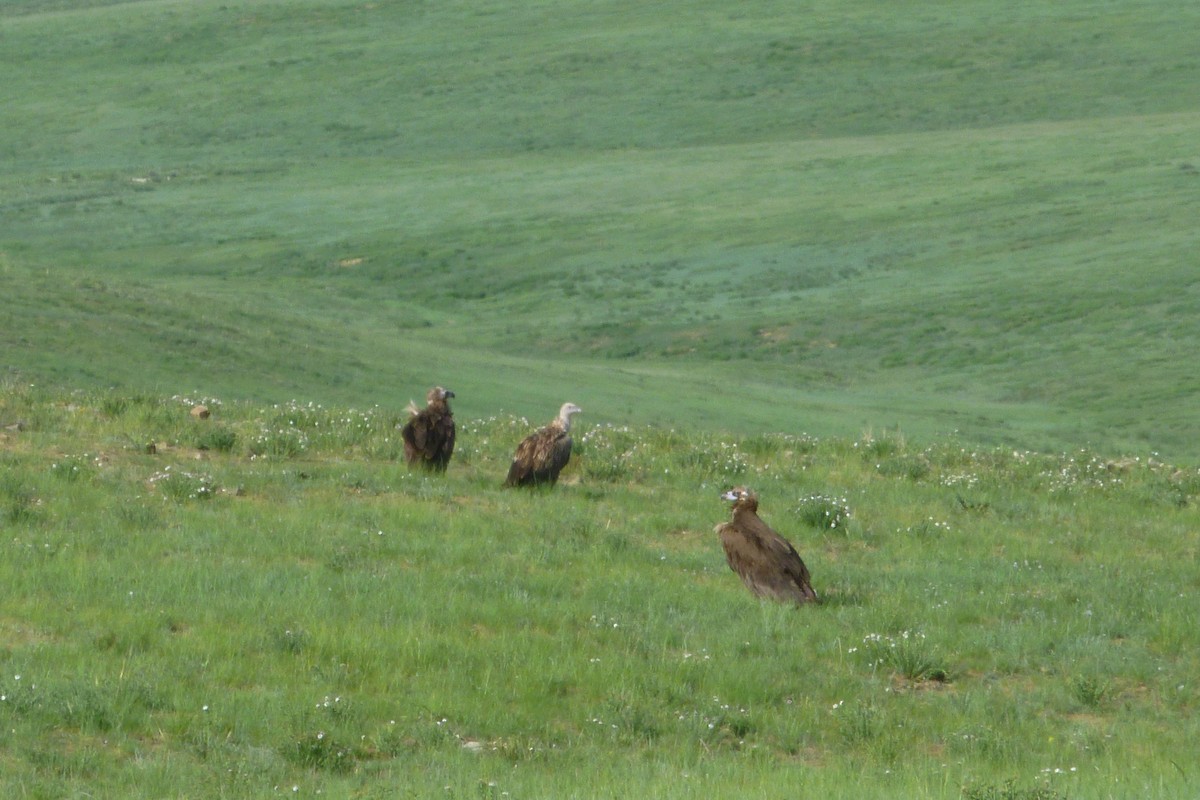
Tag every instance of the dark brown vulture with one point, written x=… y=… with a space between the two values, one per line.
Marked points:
x=765 y=561
x=544 y=453
x=429 y=433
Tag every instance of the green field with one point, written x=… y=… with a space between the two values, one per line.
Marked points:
x=780 y=216
x=932 y=264
x=270 y=600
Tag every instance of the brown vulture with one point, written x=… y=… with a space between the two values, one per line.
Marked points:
x=429 y=433
x=544 y=453
x=765 y=561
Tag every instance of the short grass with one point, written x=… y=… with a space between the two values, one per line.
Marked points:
x=922 y=274
x=267 y=602
x=947 y=217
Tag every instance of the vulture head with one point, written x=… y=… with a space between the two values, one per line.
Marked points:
x=741 y=497
x=438 y=393
x=564 y=415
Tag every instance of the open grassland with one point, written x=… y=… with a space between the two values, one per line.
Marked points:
x=755 y=241
x=942 y=216
x=267 y=603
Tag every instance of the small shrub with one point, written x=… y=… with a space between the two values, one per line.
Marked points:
x=181 y=486
x=627 y=721
x=290 y=641
x=279 y=443
x=415 y=735
x=343 y=559
x=859 y=724
x=906 y=654
x=1089 y=691
x=71 y=468
x=608 y=467
x=881 y=446
x=21 y=698
x=914 y=468
x=334 y=707
x=218 y=438
x=320 y=751
x=824 y=512
x=615 y=542
x=722 y=460
x=764 y=445
x=608 y=453
x=113 y=406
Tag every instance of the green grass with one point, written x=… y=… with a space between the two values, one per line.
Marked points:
x=298 y=610
x=770 y=217
x=921 y=274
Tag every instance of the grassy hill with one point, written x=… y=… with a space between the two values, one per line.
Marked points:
x=892 y=265
x=266 y=603
x=774 y=216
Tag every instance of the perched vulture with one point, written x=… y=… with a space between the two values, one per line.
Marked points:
x=544 y=453
x=765 y=561
x=429 y=433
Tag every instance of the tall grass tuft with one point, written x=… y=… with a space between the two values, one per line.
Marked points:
x=217 y=438
x=824 y=512
x=18 y=500
x=906 y=653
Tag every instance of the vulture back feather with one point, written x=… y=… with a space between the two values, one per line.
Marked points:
x=429 y=433
x=765 y=561
x=544 y=453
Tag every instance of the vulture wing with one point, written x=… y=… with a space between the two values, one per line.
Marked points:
x=765 y=561
x=539 y=458
x=445 y=433
x=414 y=433
x=790 y=579
x=429 y=439
x=744 y=559
x=558 y=456
x=521 y=470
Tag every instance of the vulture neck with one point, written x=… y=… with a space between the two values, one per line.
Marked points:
x=563 y=421
x=745 y=506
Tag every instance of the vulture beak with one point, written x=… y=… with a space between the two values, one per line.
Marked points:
x=730 y=495
x=448 y=393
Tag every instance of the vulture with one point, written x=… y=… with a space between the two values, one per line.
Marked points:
x=544 y=453
x=429 y=433
x=765 y=561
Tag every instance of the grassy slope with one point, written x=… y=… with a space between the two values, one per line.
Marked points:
x=290 y=607
x=943 y=218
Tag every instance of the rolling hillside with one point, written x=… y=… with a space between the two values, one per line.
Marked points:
x=773 y=216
